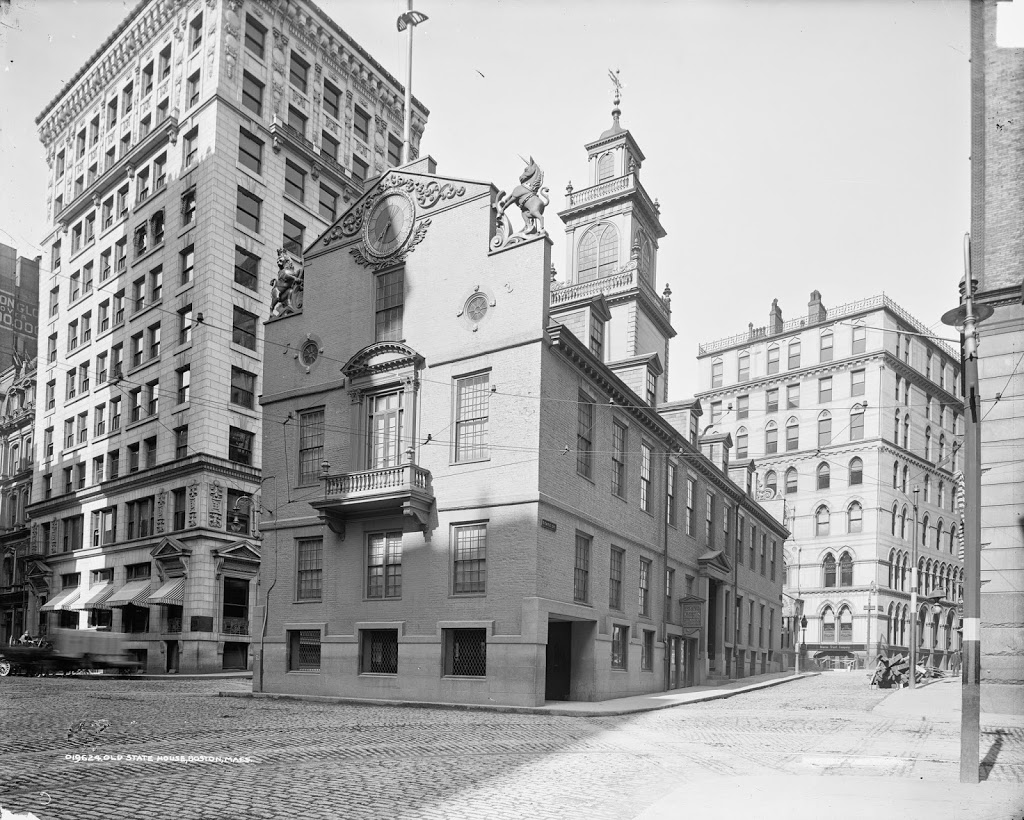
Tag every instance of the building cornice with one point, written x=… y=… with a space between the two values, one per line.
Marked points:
x=757 y=335
x=161 y=474
x=149 y=21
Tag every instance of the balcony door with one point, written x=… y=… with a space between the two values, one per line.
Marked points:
x=385 y=430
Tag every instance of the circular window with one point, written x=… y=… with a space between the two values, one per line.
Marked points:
x=310 y=352
x=476 y=307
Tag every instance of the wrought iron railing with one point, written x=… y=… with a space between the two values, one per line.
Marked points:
x=235 y=626
x=174 y=624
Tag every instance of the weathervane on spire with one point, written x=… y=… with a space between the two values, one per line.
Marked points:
x=617 y=98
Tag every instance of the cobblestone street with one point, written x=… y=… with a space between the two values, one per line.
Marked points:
x=317 y=760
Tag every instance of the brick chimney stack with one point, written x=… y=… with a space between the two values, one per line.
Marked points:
x=815 y=309
x=775 y=318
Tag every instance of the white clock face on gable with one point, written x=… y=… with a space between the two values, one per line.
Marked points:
x=388 y=224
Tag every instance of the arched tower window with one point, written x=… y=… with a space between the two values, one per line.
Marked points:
x=824 y=429
x=927 y=489
x=828 y=567
x=605 y=167
x=895 y=474
x=846 y=570
x=892 y=569
x=741 y=443
x=823 y=476
x=856 y=472
x=792 y=434
x=928 y=443
x=854 y=517
x=822 y=520
x=857 y=423
x=599 y=253
x=845 y=625
x=828 y=625
x=906 y=431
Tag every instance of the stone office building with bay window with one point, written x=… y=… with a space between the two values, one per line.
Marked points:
x=476 y=502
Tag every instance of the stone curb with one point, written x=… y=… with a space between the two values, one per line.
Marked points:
x=522 y=710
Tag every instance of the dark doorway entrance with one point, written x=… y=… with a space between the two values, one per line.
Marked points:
x=712 y=631
x=172 y=656
x=558 y=658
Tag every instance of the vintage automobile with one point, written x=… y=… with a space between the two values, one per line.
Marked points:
x=68 y=651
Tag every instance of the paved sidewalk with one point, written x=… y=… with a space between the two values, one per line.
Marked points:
x=843 y=797
x=606 y=708
x=204 y=676
x=939 y=701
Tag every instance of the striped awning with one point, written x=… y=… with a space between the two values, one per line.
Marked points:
x=62 y=600
x=96 y=597
x=172 y=592
x=134 y=592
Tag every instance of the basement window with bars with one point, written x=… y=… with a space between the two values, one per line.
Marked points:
x=379 y=652
x=304 y=650
x=465 y=652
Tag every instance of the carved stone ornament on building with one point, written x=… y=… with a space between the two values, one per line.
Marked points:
x=193 y=504
x=476 y=307
x=765 y=493
x=389 y=229
x=532 y=198
x=286 y=290
x=216 y=505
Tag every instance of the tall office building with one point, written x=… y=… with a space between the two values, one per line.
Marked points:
x=853 y=414
x=19 y=307
x=198 y=140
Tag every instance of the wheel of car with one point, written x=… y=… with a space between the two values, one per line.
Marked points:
x=5 y=668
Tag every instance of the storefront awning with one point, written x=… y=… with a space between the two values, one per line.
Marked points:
x=95 y=597
x=172 y=592
x=62 y=600
x=834 y=653
x=134 y=592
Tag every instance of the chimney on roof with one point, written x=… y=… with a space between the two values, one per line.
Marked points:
x=815 y=309
x=775 y=318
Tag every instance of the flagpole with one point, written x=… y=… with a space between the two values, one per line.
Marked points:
x=409 y=19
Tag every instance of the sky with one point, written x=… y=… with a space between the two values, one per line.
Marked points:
x=793 y=145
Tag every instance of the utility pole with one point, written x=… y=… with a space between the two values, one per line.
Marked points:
x=913 y=599
x=965 y=318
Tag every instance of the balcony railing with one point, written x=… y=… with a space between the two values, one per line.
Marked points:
x=621 y=282
x=235 y=626
x=405 y=489
x=383 y=480
x=174 y=624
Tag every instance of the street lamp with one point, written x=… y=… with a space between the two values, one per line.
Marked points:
x=803 y=639
x=266 y=604
x=913 y=598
